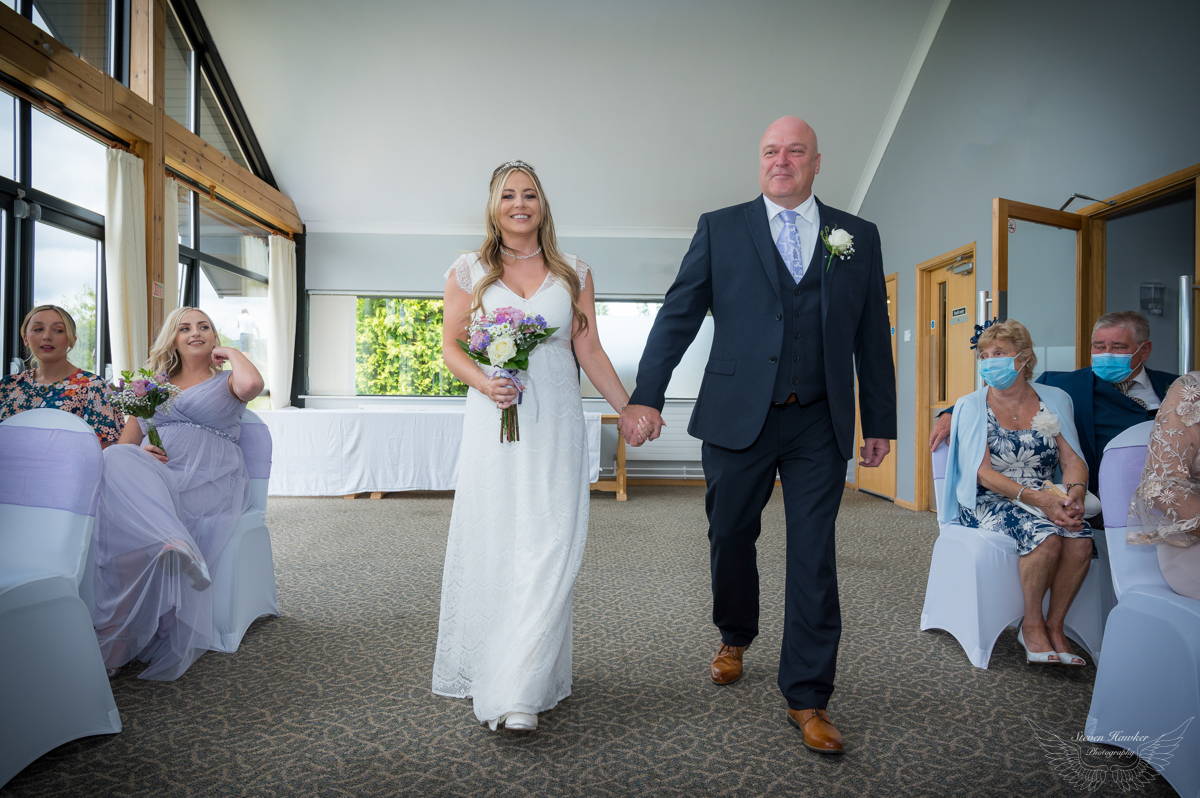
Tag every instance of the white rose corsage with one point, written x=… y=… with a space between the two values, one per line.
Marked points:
x=1046 y=424
x=839 y=243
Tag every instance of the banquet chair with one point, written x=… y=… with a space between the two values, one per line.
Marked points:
x=974 y=587
x=53 y=688
x=1149 y=679
x=243 y=582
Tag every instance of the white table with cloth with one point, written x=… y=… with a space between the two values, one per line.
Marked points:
x=338 y=452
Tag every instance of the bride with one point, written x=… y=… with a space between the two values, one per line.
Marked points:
x=520 y=508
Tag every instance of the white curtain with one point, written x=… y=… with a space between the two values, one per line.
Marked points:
x=170 y=247
x=281 y=320
x=254 y=255
x=125 y=261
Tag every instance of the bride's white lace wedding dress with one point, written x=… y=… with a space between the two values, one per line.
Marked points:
x=518 y=527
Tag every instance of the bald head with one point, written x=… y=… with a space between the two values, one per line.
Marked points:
x=788 y=161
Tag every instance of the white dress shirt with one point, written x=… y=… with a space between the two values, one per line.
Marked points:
x=1142 y=389
x=808 y=224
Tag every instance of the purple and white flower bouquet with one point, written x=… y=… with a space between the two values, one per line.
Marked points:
x=140 y=397
x=502 y=341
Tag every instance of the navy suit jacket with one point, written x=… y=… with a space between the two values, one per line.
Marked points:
x=1082 y=385
x=730 y=270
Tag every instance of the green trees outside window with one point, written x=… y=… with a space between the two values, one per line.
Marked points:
x=399 y=349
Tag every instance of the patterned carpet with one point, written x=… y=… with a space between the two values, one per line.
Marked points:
x=333 y=698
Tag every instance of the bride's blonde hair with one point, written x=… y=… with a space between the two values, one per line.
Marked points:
x=164 y=357
x=489 y=252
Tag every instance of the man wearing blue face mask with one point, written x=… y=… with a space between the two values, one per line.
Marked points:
x=1114 y=393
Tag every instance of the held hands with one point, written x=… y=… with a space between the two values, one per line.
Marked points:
x=639 y=423
x=500 y=390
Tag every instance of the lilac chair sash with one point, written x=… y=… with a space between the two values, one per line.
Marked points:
x=940 y=455
x=53 y=468
x=255 y=441
x=1120 y=473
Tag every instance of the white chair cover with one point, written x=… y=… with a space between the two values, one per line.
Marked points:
x=53 y=688
x=974 y=587
x=1149 y=680
x=243 y=584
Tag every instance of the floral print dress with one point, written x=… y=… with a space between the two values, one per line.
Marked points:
x=1030 y=458
x=82 y=393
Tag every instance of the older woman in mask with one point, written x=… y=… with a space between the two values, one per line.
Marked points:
x=1006 y=441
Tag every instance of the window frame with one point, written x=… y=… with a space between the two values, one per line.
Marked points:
x=118 y=36
x=207 y=63
x=19 y=239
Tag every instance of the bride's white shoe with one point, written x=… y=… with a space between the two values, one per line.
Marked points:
x=520 y=721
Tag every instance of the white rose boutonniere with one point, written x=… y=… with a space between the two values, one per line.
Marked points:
x=1046 y=424
x=839 y=243
x=501 y=350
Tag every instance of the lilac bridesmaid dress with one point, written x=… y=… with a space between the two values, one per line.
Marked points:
x=161 y=529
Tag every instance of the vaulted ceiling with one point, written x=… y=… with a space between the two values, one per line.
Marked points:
x=390 y=116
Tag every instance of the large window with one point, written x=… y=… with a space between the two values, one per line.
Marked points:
x=96 y=30
x=53 y=231
x=193 y=93
x=624 y=328
x=392 y=346
x=223 y=271
x=398 y=348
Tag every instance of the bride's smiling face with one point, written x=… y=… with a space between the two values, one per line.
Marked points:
x=520 y=211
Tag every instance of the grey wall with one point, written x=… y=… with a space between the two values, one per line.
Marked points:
x=1031 y=101
x=1155 y=245
x=404 y=263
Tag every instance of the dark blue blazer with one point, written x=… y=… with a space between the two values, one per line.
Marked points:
x=730 y=270
x=1082 y=386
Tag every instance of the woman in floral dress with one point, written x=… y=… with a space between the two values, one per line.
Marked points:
x=1167 y=501
x=1006 y=441
x=48 y=333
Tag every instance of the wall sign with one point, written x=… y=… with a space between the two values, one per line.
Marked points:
x=957 y=316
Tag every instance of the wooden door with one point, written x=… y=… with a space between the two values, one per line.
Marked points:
x=881 y=480
x=945 y=362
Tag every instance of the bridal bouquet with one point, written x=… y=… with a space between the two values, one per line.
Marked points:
x=503 y=340
x=142 y=396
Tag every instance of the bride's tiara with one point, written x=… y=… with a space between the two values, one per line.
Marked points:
x=512 y=165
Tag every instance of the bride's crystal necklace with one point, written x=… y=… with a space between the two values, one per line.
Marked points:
x=504 y=251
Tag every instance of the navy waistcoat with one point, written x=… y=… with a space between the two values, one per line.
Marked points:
x=801 y=367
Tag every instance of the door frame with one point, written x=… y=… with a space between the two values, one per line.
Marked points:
x=922 y=468
x=1089 y=222
x=1089 y=303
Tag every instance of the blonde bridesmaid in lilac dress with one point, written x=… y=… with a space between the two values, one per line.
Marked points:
x=165 y=516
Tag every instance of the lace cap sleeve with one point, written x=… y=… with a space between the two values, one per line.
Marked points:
x=1167 y=502
x=581 y=269
x=461 y=269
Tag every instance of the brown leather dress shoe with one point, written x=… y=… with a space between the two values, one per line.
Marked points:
x=727 y=664
x=820 y=734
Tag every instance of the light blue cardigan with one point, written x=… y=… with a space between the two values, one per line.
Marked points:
x=968 y=442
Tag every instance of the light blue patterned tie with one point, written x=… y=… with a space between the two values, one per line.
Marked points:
x=788 y=244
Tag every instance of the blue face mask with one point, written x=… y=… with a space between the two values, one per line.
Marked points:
x=1112 y=367
x=999 y=372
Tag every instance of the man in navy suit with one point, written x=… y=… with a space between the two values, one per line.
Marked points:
x=791 y=322
x=1110 y=396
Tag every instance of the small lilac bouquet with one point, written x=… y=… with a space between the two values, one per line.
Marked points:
x=140 y=397
x=502 y=340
